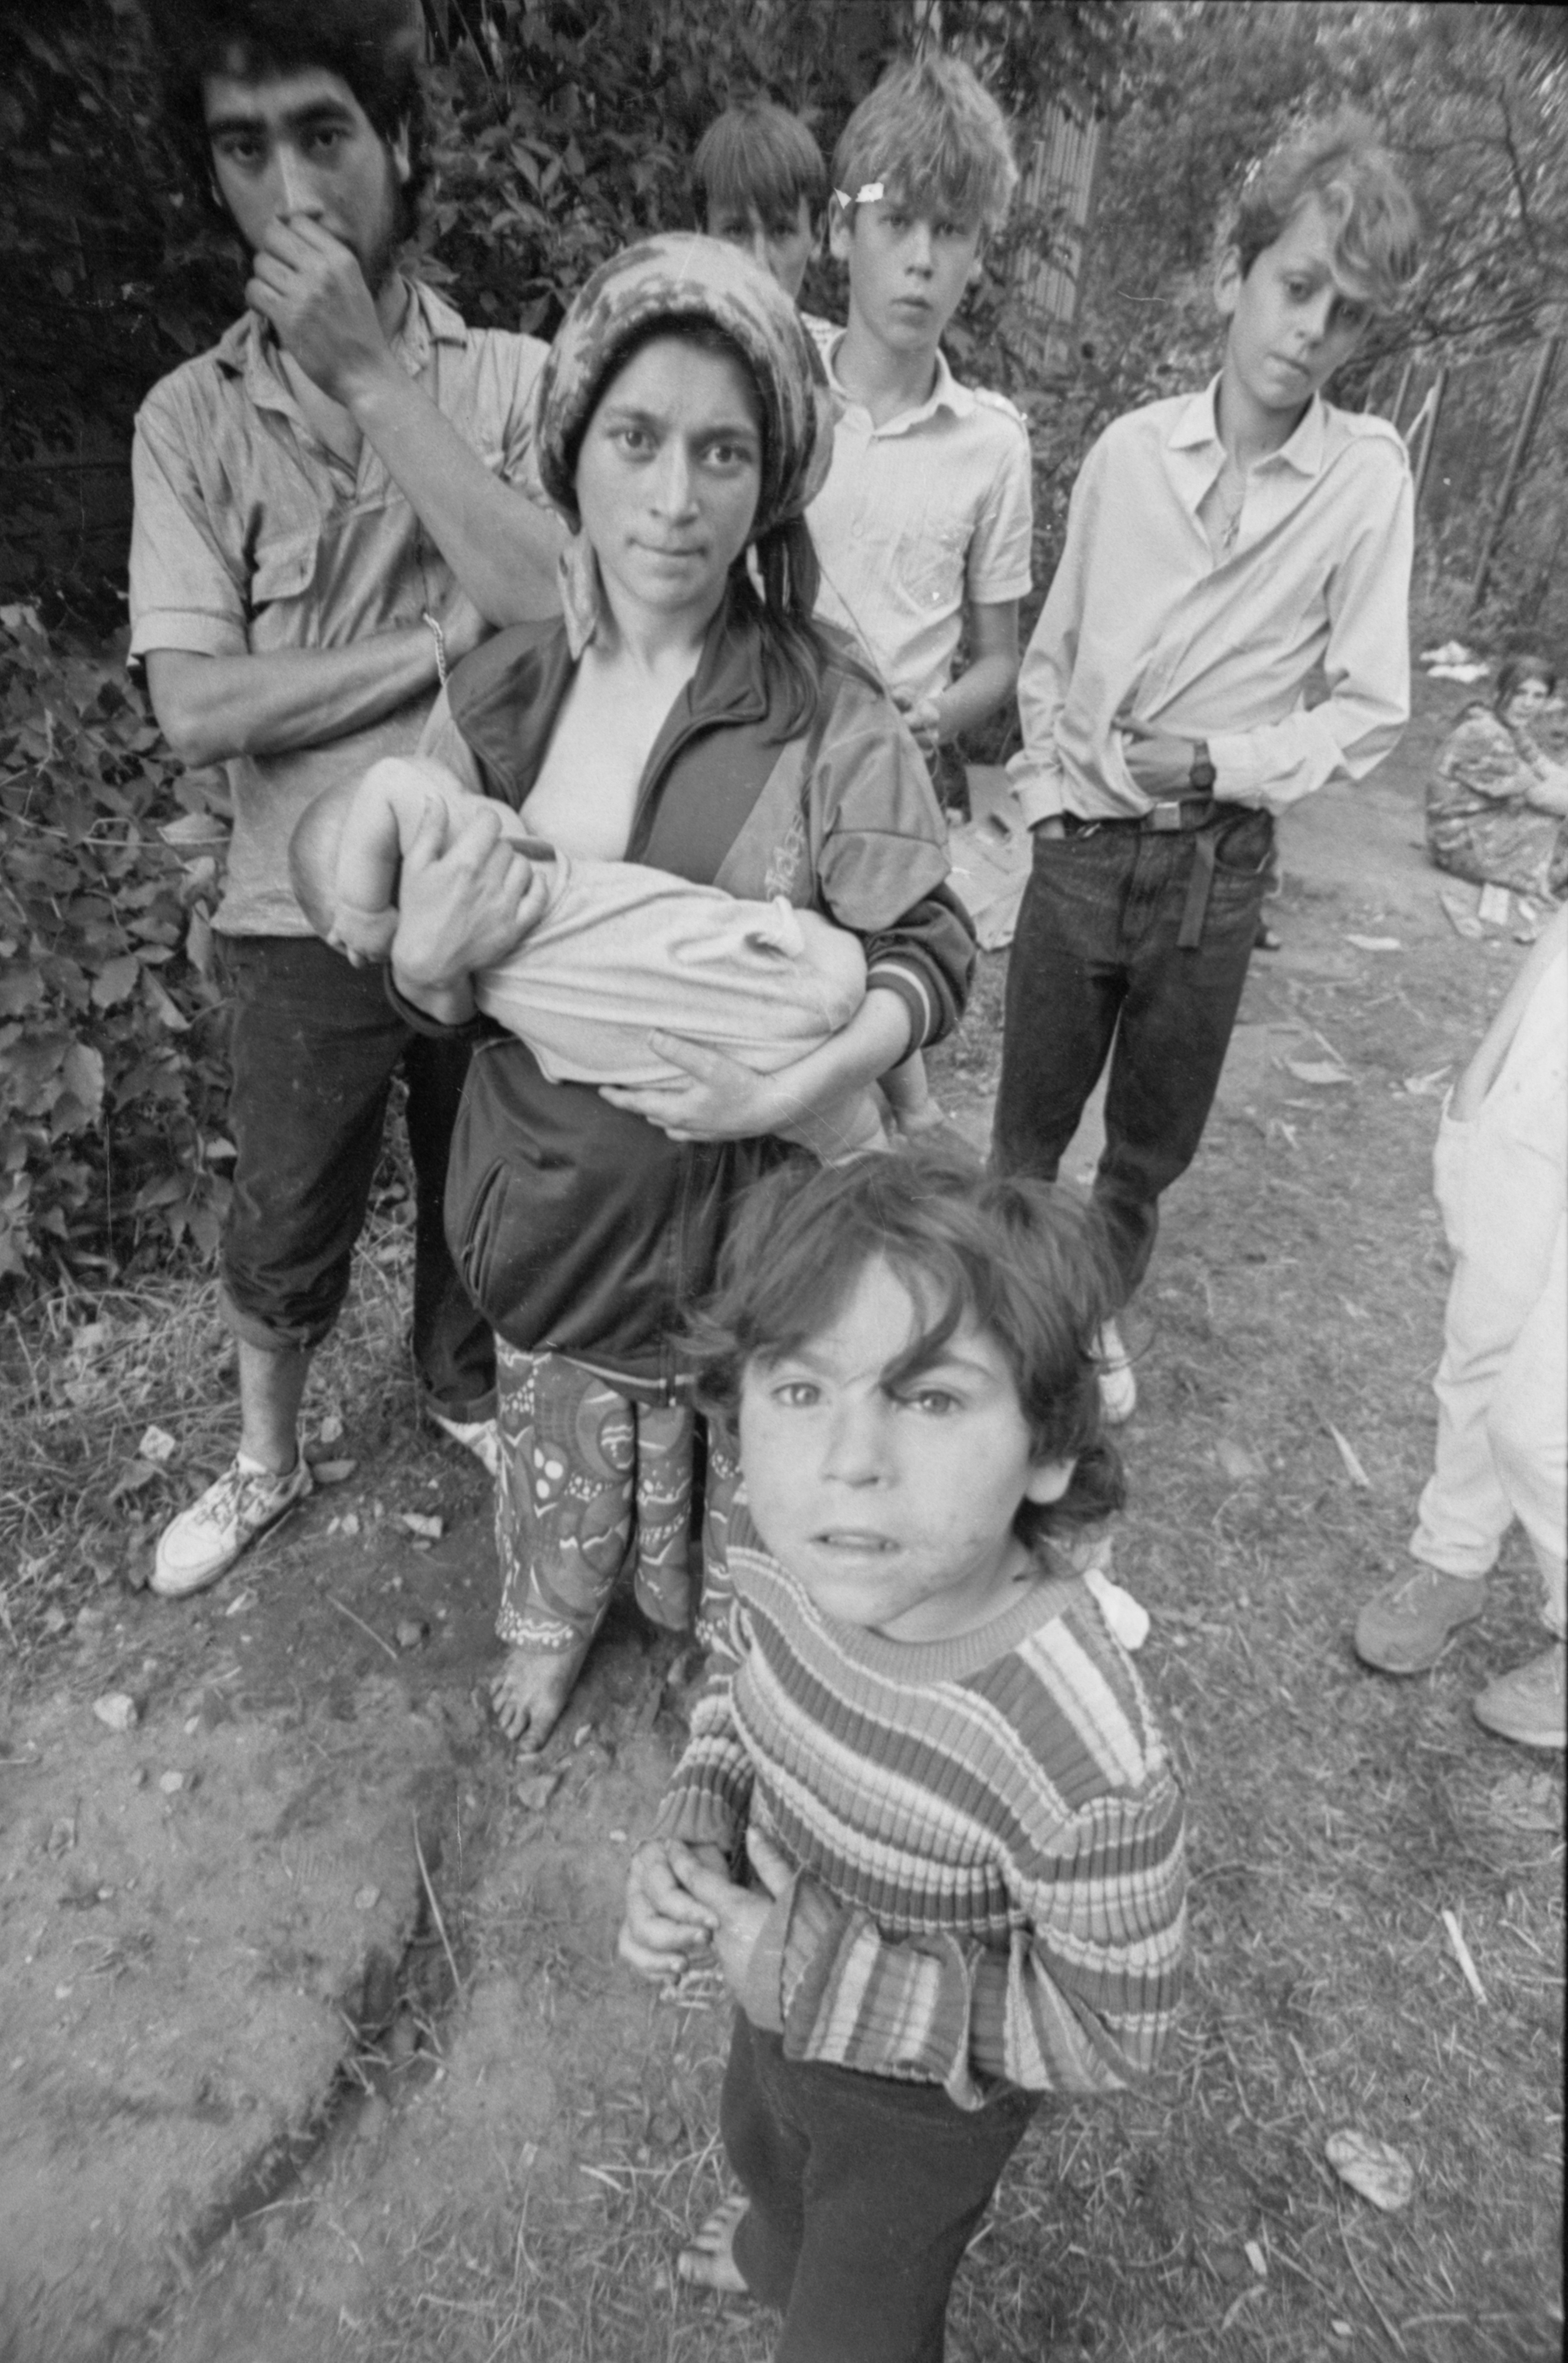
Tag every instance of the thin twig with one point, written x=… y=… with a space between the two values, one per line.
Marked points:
x=1398 y=2342
x=1461 y=1955
x=435 y=1909
x=368 y=1630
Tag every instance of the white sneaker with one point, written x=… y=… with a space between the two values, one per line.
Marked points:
x=1119 y=1388
x=475 y=1436
x=198 y=1545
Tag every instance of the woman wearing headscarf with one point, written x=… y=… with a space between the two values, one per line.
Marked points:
x=686 y=714
x=1497 y=806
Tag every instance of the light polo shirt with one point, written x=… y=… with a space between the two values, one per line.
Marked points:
x=250 y=535
x=920 y=519
x=1143 y=619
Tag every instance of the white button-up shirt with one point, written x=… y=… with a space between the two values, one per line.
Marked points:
x=1144 y=622
x=918 y=519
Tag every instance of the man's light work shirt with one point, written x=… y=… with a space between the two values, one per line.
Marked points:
x=920 y=519
x=1143 y=622
x=250 y=535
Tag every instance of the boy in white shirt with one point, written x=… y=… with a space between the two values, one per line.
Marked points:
x=924 y=526
x=1222 y=546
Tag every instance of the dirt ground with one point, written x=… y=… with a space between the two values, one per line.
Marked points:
x=314 y=2045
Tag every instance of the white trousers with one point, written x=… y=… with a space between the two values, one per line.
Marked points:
x=1502 y=1385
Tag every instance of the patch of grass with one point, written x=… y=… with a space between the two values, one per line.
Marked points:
x=1299 y=1286
x=82 y=1380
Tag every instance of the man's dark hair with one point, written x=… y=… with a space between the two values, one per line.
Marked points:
x=375 y=46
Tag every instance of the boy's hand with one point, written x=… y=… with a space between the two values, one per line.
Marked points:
x=738 y=1915
x=924 y=717
x=664 y=1925
x=1161 y=765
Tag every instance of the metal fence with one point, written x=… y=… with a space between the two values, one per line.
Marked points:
x=1488 y=437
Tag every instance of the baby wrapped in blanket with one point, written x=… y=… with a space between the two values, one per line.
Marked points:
x=620 y=951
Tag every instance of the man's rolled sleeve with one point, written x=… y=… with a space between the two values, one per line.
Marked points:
x=183 y=594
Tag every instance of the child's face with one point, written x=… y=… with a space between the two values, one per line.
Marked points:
x=908 y=269
x=782 y=245
x=1295 y=317
x=1527 y=700
x=891 y=1506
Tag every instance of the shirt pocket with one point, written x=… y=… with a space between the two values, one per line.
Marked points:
x=284 y=572
x=930 y=561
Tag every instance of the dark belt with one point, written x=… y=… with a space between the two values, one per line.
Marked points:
x=1173 y=816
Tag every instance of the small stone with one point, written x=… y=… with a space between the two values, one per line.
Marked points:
x=333 y=1472
x=170 y=1783
x=118 y=1709
x=583 y=1733
x=536 y=1790
x=193 y=1725
x=158 y=1446
x=366 y=1899
x=411 y=1632
x=55 y=1620
x=431 y=1529
x=62 y=1993
x=330 y=1429
x=350 y=1524
x=244 y=1600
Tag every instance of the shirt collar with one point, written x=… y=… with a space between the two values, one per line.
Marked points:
x=946 y=394
x=1197 y=425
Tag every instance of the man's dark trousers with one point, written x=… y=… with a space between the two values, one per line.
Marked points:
x=1097 y=945
x=314 y=1045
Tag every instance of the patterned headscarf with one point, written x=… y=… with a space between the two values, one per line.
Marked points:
x=684 y=277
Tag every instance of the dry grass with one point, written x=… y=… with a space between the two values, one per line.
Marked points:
x=1299 y=1283
x=1334 y=1816
x=82 y=1380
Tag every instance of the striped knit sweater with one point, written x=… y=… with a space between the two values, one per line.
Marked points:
x=987 y=1837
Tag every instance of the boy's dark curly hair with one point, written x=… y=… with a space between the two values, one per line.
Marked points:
x=375 y=46
x=1024 y=1261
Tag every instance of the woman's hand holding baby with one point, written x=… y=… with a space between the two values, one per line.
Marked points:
x=468 y=898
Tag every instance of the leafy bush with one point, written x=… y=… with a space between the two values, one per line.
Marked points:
x=112 y=1079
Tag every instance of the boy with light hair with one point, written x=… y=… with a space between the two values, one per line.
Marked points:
x=1222 y=546
x=923 y=527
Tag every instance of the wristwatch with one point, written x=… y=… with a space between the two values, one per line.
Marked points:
x=1201 y=776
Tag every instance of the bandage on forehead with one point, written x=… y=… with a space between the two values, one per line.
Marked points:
x=866 y=194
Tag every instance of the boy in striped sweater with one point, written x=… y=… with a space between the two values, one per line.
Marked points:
x=925 y=1819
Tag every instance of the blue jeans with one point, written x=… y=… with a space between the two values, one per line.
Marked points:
x=313 y=1047
x=863 y=2195
x=1095 y=956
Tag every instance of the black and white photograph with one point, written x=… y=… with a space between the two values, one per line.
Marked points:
x=783 y=1180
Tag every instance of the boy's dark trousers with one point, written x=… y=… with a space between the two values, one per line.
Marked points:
x=314 y=1047
x=1099 y=943
x=863 y=2195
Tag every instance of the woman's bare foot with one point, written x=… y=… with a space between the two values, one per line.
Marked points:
x=710 y=2259
x=530 y=1692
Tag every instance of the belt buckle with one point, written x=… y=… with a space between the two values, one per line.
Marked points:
x=1166 y=815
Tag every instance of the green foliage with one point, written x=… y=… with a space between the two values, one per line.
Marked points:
x=111 y=1076
x=1473 y=101
x=111 y=272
